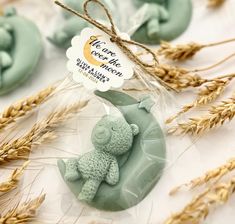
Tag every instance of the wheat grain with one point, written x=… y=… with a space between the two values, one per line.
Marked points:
x=41 y=131
x=198 y=209
x=179 y=52
x=21 y=108
x=217 y=116
x=22 y=213
x=14 y=179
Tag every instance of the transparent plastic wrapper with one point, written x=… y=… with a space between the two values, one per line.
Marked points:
x=148 y=169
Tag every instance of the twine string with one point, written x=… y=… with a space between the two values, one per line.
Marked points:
x=121 y=43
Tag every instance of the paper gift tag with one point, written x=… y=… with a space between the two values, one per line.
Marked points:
x=98 y=63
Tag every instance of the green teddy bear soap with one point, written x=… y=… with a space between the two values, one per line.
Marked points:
x=164 y=20
x=20 y=50
x=112 y=137
x=73 y=25
x=62 y=37
x=128 y=158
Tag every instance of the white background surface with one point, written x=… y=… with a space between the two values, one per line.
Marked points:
x=209 y=151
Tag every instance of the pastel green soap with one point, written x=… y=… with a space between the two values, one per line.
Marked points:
x=127 y=160
x=164 y=20
x=72 y=26
x=20 y=50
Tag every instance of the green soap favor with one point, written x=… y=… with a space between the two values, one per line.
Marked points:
x=75 y=5
x=63 y=36
x=20 y=50
x=165 y=20
x=73 y=25
x=127 y=160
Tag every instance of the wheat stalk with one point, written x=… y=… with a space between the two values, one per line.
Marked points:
x=198 y=209
x=217 y=116
x=215 y=3
x=40 y=132
x=23 y=213
x=179 y=52
x=214 y=174
x=206 y=95
x=14 y=179
x=21 y=108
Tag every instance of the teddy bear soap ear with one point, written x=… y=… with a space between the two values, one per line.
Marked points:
x=135 y=129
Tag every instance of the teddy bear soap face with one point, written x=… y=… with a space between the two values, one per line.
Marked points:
x=127 y=160
x=112 y=136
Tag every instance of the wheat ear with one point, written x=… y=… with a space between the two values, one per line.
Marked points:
x=215 y=3
x=21 y=108
x=206 y=95
x=14 y=179
x=22 y=213
x=40 y=132
x=178 y=78
x=217 y=116
x=181 y=52
x=198 y=209
x=214 y=174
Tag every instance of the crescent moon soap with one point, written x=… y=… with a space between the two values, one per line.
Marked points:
x=164 y=20
x=127 y=160
x=20 y=50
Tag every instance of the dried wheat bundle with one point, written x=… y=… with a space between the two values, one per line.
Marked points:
x=22 y=213
x=40 y=132
x=21 y=108
x=14 y=179
x=179 y=52
x=206 y=95
x=215 y=3
x=198 y=209
x=178 y=78
x=214 y=174
x=217 y=116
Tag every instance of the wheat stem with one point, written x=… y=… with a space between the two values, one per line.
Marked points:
x=214 y=65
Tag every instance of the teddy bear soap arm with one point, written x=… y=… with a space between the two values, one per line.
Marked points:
x=112 y=177
x=72 y=172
